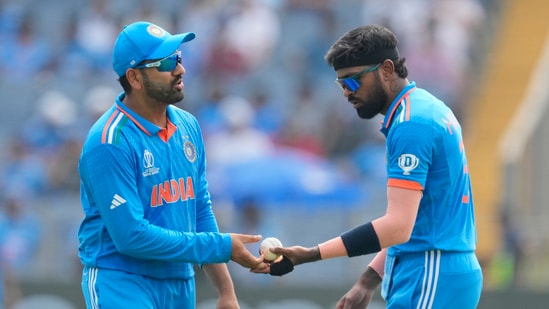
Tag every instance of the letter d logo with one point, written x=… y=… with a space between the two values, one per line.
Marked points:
x=407 y=162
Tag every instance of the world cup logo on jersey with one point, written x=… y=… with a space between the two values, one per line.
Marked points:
x=407 y=162
x=148 y=159
x=148 y=164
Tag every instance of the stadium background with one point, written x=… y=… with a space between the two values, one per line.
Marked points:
x=287 y=157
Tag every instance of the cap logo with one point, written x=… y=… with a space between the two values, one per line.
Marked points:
x=155 y=31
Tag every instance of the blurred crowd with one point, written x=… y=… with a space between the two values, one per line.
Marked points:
x=256 y=80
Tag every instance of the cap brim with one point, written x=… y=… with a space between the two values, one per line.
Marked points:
x=170 y=45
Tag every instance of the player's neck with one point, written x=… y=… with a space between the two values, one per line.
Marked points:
x=152 y=111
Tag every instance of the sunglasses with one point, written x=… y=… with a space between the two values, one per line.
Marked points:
x=167 y=64
x=352 y=83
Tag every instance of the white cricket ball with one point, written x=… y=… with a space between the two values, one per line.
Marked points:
x=267 y=243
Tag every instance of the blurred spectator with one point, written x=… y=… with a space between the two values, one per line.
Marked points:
x=431 y=67
x=209 y=112
x=459 y=22
x=223 y=59
x=19 y=242
x=96 y=29
x=303 y=130
x=71 y=59
x=269 y=113
x=22 y=171
x=151 y=11
x=406 y=18
x=204 y=18
x=24 y=56
x=311 y=25
x=95 y=102
x=63 y=174
x=240 y=141
x=48 y=128
x=20 y=235
x=252 y=31
x=11 y=13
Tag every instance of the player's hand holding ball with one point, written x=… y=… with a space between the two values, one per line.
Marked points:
x=266 y=244
x=278 y=264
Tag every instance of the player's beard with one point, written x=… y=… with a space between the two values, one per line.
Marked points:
x=161 y=92
x=374 y=103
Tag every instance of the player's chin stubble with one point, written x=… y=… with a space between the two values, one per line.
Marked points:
x=374 y=104
x=161 y=92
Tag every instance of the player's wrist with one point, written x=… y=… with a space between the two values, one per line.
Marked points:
x=370 y=279
x=314 y=254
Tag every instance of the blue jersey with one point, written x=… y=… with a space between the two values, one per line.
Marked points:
x=145 y=196
x=425 y=151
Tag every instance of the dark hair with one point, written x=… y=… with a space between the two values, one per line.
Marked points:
x=123 y=80
x=361 y=45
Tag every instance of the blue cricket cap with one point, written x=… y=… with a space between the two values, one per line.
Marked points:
x=144 y=41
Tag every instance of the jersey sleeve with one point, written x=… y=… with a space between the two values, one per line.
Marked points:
x=409 y=155
x=109 y=177
x=205 y=217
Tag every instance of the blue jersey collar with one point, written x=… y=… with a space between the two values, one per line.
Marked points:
x=395 y=105
x=146 y=126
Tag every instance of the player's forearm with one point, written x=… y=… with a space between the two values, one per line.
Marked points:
x=391 y=232
x=220 y=278
x=156 y=243
x=396 y=226
x=378 y=262
x=332 y=248
x=365 y=239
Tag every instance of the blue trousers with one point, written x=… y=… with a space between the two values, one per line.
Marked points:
x=107 y=288
x=432 y=279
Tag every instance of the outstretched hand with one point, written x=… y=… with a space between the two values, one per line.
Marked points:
x=241 y=255
x=291 y=256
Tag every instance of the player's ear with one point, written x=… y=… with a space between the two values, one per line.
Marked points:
x=387 y=69
x=134 y=78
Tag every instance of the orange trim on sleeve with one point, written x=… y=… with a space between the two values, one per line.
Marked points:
x=465 y=199
x=406 y=184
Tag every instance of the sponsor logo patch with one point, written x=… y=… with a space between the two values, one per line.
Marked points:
x=117 y=200
x=407 y=162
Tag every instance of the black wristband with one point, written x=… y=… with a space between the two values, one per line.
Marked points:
x=281 y=268
x=361 y=240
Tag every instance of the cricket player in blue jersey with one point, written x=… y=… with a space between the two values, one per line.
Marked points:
x=427 y=238
x=148 y=214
